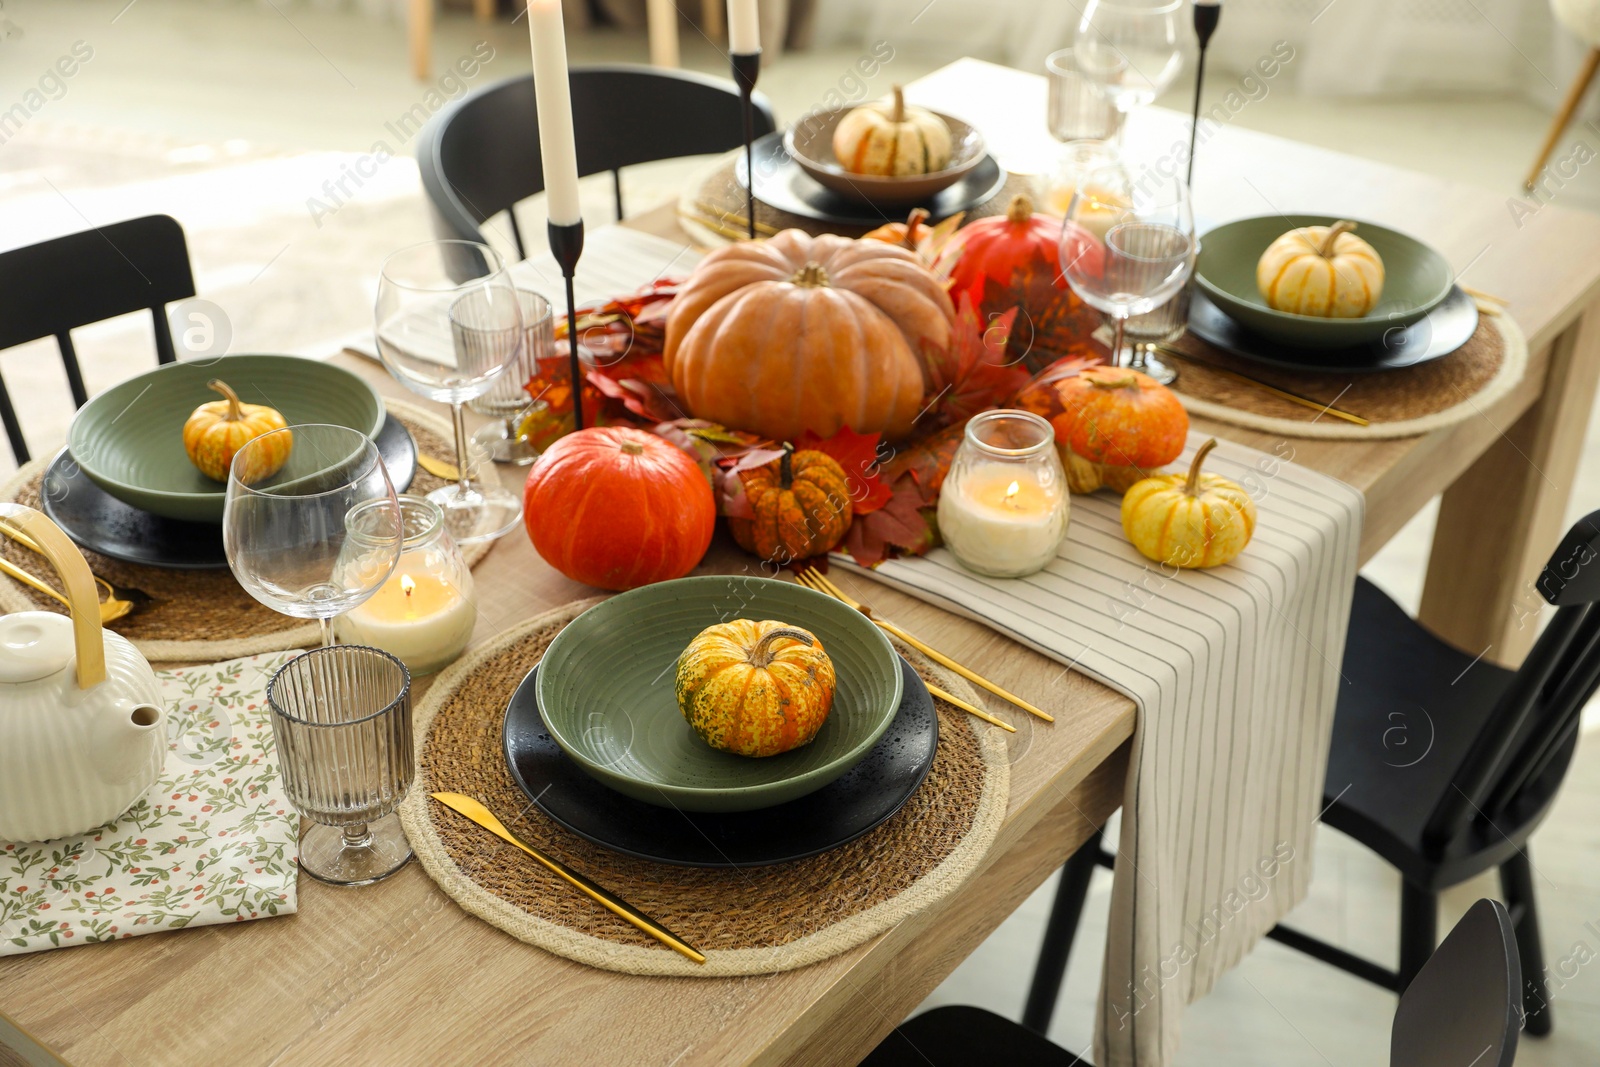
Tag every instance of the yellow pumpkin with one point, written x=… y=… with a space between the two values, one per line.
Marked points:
x=219 y=429
x=1323 y=271
x=1193 y=520
x=891 y=139
x=755 y=688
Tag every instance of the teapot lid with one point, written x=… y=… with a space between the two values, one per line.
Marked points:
x=34 y=645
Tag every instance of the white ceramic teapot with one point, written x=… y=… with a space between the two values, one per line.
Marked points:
x=82 y=725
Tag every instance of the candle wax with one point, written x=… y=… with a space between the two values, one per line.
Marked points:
x=553 y=100
x=416 y=615
x=744 y=35
x=998 y=519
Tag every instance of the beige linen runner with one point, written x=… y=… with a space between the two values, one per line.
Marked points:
x=1235 y=672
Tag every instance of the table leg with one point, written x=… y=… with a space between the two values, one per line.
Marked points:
x=420 y=28
x=1499 y=521
x=483 y=10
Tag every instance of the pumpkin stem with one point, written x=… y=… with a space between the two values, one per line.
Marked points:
x=235 y=412
x=810 y=276
x=1343 y=226
x=632 y=448
x=761 y=654
x=914 y=221
x=1192 y=486
x=898 y=115
x=1127 y=381
x=786 y=467
x=1020 y=210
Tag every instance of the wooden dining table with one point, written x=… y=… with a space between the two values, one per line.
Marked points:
x=397 y=973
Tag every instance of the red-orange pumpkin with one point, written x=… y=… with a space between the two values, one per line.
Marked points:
x=1013 y=260
x=800 y=333
x=618 y=508
x=1110 y=414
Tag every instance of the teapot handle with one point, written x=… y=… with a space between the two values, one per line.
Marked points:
x=73 y=569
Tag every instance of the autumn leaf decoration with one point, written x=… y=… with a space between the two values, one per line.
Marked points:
x=975 y=373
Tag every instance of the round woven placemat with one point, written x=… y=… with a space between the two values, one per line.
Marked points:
x=1396 y=403
x=718 y=195
x=750 y=921
x=200 y=616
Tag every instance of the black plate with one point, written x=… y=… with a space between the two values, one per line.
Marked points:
x=834 y=815
x=100 y=522
x=1434 y=336
x=780 y=183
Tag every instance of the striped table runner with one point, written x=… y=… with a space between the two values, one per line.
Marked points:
x=1235 y=673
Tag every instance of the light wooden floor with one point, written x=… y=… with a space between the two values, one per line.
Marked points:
x=230 y=116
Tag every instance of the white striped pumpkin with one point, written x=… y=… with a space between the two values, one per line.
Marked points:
x=889 y=139
x=1322 y=271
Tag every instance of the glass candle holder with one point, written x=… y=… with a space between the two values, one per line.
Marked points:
x=424 y=614
x=1073 y=163
x=1004 y=506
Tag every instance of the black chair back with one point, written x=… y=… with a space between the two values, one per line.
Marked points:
x=51 y=288
x=1463 y=1005
x=1528 y=738
x=480 y=155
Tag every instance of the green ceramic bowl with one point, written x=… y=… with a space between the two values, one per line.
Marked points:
x=1416 y=280
x=129 y=439
x=605 y=692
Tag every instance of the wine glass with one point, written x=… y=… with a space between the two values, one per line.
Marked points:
x=1076 y=109
x=1128 y=247
x=449 y=327
x=507 y=402
x=1129 y=48
x=319 y=536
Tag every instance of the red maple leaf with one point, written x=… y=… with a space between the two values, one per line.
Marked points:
x=927 y=461
x=901 y=523
x=975 y=373
x=857 y=453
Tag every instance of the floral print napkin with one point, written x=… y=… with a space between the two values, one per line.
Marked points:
x=214 y=841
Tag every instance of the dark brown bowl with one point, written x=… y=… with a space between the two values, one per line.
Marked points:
x=810 y=143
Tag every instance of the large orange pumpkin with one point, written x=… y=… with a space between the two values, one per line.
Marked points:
x=1110 y=414
x=801 y=504
x=615 y=507
x=800 y=333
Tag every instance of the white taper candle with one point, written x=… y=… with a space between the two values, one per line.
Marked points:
x=744 y=31
x=557 y=143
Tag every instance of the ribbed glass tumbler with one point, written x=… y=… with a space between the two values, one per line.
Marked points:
x=342 y=719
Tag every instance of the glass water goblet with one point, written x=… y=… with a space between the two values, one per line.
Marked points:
x=342 y=720
x=319 y=536
x=1129 y=253
x=449 y=327
x=1076 y=109
x=1129 y=49
x=508 y=402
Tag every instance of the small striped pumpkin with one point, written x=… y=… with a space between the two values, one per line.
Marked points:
x=801 y=507
x=1192 y=520
x=1322 y=271
x=891 y=140
x=755 y=688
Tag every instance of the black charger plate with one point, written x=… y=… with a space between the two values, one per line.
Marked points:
x=1434 y=336
x=781 y=184
x=834 y=815
x=101 y=523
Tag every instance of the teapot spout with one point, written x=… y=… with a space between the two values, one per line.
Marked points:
x=127 y=741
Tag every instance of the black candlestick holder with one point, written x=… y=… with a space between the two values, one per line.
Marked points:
x=1207 y=13
x=746 y=67
x=566 y=244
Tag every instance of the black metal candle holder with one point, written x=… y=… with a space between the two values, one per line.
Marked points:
x=746 y=67
x=566 y=244
x=1207 y=13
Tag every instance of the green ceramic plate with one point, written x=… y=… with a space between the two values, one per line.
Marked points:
x=129 y=439
x=605 y=692
x=1416 y=280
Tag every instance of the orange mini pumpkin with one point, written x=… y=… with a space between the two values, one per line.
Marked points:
x=216 y=431
x=801 y=504
x=755 y=688
x=1110 y=415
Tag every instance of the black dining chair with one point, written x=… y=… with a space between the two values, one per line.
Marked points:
x=1461 y=1009
x=51 y=288
x=1441 y=762
x=480 y=155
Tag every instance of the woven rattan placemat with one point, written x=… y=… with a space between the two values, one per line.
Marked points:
x=748 y=921
x=1397 y=403
x=200 y=616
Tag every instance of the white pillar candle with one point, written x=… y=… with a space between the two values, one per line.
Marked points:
x=744 y=31
x=999 y=520
x=417 y=616
x=553 y=95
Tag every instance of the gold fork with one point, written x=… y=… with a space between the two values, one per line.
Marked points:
x=813 y=579
x=120 y=600
x=110 y=611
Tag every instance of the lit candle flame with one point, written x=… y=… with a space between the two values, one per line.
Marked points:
x=1011 y=494
x=407 y=585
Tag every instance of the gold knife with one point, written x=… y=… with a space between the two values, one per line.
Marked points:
x=474 y=810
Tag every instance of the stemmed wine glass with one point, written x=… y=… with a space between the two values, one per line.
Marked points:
x=1127 y=247
x=319 y=536
x=1129 y=48
x=508 y=402
x=449 y=327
